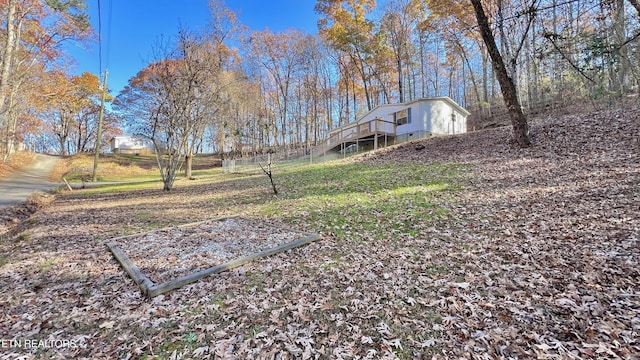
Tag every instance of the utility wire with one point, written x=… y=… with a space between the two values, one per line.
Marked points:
x=109 y=17
x=100 y=37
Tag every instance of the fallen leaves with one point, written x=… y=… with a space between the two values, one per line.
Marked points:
x=536 y=256
x=171 y=253
x=15 y=161
x=107 y=325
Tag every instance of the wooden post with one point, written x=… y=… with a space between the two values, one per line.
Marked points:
x=67 y=183
x=94 y=178
x=375 y=134
x=134 y=272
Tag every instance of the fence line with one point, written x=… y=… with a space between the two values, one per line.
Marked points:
x=251 y=166
x=298 y=157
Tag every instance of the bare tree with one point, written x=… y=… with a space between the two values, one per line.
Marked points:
x=269 y=172
x=398 y=23
x=165 y=96
x=279 y=54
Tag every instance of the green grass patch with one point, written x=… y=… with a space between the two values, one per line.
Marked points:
x=365 y=200
x=115 y=188
x=24 y=236
x=352 y=201
x=152 y=176
x=129 y=167
x=4 y=260
x=47 y=264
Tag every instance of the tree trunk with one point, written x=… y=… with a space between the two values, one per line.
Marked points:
x=168 y=184
x=465 y=59
x=63 y=134
x=485 y=76
x=399 y=69
x=437 y=70
x=6 y=64
x=360 y=65
x=518 y=120
x=619 y=31
x=7 y=56
x=423 y=72
x=188 y=163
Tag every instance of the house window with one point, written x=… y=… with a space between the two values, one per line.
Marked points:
x=402 y=117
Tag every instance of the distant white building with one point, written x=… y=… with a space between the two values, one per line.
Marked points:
x=130 y=145
x=392 y=123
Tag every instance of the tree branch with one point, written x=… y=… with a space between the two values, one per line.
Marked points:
x=550 y=37
x=269 y=173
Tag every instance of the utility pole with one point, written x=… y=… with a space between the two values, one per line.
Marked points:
x=94 y=178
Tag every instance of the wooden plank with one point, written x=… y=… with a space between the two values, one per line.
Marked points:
x=67 y=183
x=172 y=227
x=150 y=289
x=185 y=280
x=201 y=222
x=134 y=272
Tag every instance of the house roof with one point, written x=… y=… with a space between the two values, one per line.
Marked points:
x=132 y=137
x=126 y=137
x=446 y=99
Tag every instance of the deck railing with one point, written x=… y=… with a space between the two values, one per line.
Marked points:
x=353 y=132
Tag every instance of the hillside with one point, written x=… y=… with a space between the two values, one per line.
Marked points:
x=15 y=162
x=449 y=247
x=558 y=225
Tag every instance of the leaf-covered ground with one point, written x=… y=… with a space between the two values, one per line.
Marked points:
x=451 y=247
x=16 y=161
x=171 y=253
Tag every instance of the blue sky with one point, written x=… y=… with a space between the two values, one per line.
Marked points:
x=135 y=26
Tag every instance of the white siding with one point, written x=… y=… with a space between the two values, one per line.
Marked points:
x=119 y=143
x=443 y=121
x=461 y=124
x=382 y=112
x=439 y=114
x=414 y=126
x=428 y=116
x=424 y=115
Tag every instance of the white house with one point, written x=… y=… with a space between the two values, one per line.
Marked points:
x=130 y=145
x=392 y=123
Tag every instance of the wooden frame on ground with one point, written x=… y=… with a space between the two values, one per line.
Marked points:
x=149 y=288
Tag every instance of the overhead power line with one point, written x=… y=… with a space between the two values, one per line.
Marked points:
x=107 y=40
x=100 y=37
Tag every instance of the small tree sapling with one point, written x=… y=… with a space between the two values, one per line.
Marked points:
x=269 y=173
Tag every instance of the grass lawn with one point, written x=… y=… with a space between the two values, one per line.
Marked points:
x=124 y=167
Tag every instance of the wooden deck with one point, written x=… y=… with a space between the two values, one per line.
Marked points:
x=371 y=131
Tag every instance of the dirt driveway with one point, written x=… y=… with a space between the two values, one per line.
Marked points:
x=34 y=177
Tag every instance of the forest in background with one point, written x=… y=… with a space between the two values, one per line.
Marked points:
x=229 y=89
